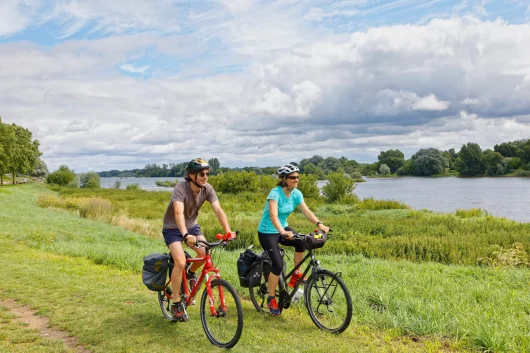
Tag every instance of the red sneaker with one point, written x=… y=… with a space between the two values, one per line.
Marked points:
x=273 y=306
x=294 y=278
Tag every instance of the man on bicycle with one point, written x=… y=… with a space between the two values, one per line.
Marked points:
x=180 y=224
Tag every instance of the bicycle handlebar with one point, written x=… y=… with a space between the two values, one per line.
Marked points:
x=302 y=236
x=223 y=239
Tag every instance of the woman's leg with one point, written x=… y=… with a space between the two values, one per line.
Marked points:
x=269 y=242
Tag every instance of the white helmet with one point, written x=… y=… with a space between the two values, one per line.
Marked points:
x=287 y=169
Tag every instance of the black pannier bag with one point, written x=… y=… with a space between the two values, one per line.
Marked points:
x=314 y=241
x=154 y=272
x=249 y=268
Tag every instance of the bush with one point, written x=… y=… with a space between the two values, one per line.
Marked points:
x=166 y=183
x=471 y=213
x=339 y=187
x=308 y=186
x=235 y=182
x=384 y=169
x=117 y=184
x=134 y=186
x=371 y=204
x=89 y=180
x=62 y=176
x=96 y=208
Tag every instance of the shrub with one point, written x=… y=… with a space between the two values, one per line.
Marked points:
x=166 y=183
x=371 y=204
x=62 y=176
x=339 y=187
x=117 y=184
x=235 y=182
x=471 y=213
x=96 y=208
x=308 y=186
x=89 y=180
x=384 y=169
x=134 y=186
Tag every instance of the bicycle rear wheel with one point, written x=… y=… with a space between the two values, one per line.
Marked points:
x=223 y=328
x=259 y=294
x=165 y=302
x=328 y=301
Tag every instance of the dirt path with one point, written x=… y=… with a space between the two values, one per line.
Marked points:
x=41 y=324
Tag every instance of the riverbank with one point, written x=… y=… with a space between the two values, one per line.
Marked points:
x=399 y=305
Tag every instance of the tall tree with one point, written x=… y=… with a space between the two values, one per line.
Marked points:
x=428 y=161
x=25 y=152
x=214 y=164
x=392 y=158
x=7 y=141
x=470 y=161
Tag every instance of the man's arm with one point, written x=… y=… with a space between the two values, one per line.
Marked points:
x=221 y=216
x=178 y=207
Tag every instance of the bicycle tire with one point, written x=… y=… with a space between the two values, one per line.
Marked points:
x=165 y=304
x=328 y=301
x=259 y=294
x=223 y=329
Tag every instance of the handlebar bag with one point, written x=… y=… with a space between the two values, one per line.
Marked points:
x=312 y=241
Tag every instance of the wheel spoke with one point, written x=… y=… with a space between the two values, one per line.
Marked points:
x=223 y=327
x=328 y=302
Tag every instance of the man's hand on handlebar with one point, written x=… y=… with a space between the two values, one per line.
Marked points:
x=191 y=240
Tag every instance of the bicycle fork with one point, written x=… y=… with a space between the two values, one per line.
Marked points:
x=221 y=311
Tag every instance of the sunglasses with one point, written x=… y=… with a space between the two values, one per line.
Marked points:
x=203 y=174
x=292 y=177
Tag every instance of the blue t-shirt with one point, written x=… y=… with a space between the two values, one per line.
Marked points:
x=286 y=205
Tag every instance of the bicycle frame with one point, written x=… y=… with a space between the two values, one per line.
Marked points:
x=206 y=269
x=313 y=265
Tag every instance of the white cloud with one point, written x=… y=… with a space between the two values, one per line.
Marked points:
x=305 y=88
x=430 y=102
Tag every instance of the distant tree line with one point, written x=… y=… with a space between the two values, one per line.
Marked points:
x=19 y=153
x=506 y=158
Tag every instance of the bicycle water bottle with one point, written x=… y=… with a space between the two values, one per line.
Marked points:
x=297 y=295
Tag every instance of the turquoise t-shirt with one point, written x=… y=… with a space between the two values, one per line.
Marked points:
x=286 y=205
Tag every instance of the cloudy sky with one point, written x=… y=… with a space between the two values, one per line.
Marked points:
x=119 y=84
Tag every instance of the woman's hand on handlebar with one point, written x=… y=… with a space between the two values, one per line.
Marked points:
x=287 y=235
x=323 y=228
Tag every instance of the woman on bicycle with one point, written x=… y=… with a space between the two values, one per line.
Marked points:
x=273 y=228
x=180 y=223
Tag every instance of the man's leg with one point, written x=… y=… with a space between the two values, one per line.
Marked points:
x=201 y=252
x=177 y=252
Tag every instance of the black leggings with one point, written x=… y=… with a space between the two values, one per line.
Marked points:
x=269 y=243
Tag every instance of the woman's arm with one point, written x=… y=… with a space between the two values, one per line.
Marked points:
x=312 y=218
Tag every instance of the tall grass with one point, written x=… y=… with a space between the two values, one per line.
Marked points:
x=482 y=308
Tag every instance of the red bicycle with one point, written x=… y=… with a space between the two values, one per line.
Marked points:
x=220 y=309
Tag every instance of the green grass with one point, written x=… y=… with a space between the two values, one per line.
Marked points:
x=77 y=264
x=372 y=228
x=16 y=337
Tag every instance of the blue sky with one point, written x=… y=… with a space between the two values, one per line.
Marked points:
x=116 y=85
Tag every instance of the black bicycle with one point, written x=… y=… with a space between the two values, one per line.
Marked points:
x=326 y=296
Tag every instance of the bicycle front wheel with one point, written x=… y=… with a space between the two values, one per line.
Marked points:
x=223 y=327
x=328 y=301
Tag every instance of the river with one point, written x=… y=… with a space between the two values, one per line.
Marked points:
x=502 y=197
